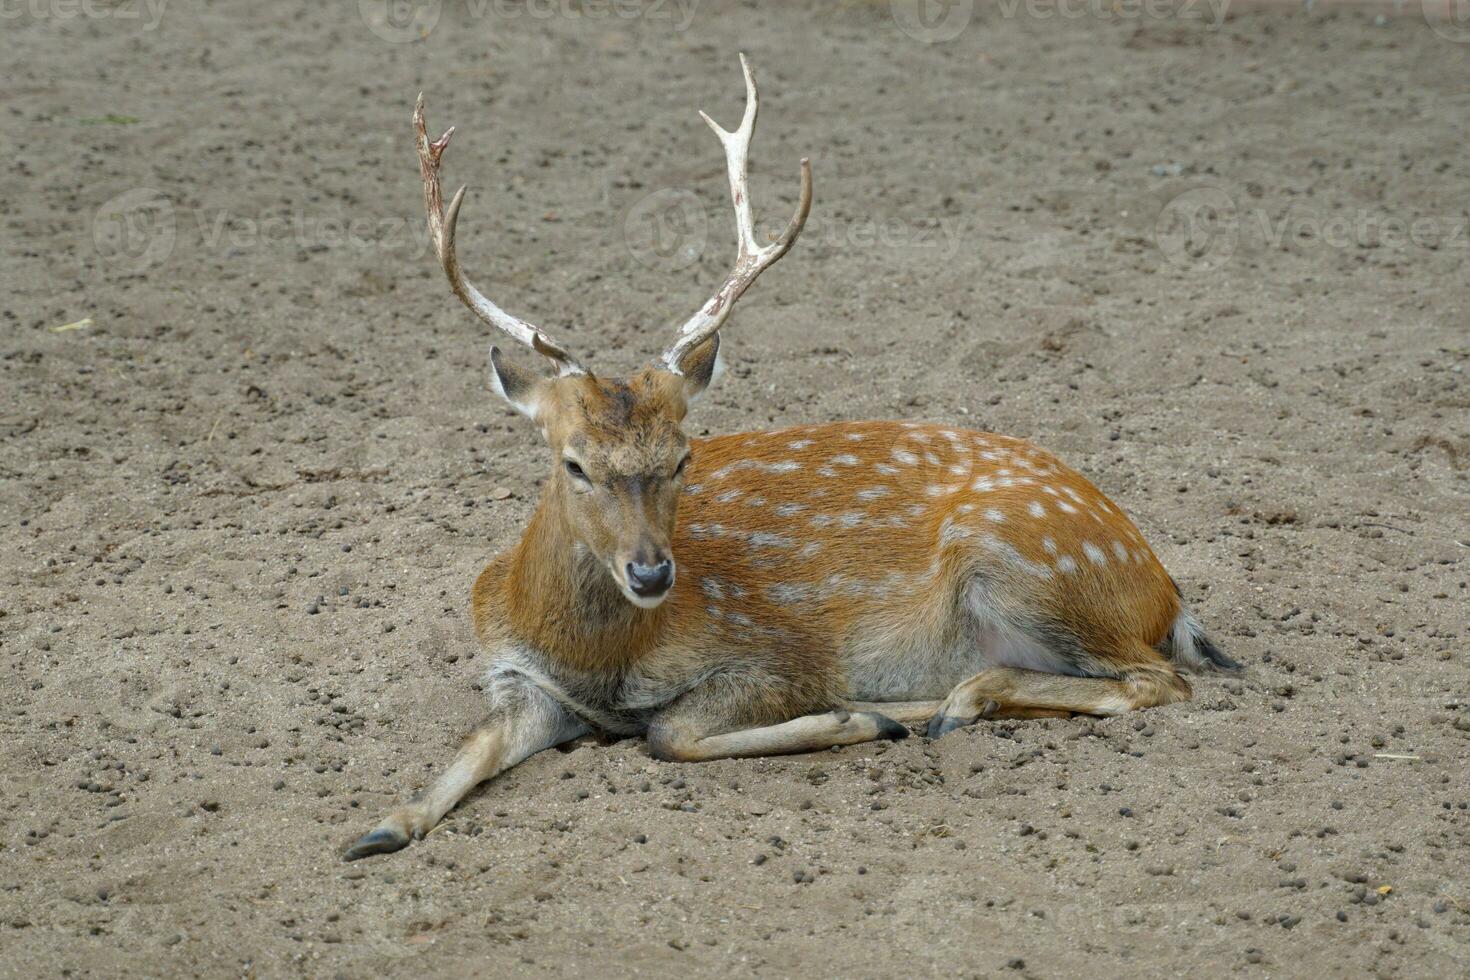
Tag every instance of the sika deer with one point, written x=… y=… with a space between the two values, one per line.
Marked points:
x=787 y=591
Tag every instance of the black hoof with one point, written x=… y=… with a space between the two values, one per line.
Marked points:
x=942 y=724
x=888 y=728
x=380 y=841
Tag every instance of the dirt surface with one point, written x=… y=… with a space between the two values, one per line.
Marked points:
x=1220 y=268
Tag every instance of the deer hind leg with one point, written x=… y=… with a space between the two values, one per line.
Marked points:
x=722 y=719
x=1011 y=692
x=908 y=712
x=524 y=721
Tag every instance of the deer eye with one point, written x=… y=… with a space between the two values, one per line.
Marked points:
x=679 y=470
x=575 y=469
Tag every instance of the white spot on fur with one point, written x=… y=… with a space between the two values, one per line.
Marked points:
x=786 y=594
x=1049 y=545
x=950 y=532
x=1066 y=507
x=1066 y=565
x=1014 y=558
x=856 y=436
x=983 y=485
x=887 y=470
x=800 y=443
x=873 y=493
x=1094 y=553
x=1050 y=490
x=718 y=588
x=766 y=539
x=729 y=495
x=1120 y=551
x=905 y=457
x=994 y=516
x=845 y=459
x=826 y=471
x=810 y=548
x=789 y=510
x=1037 y=509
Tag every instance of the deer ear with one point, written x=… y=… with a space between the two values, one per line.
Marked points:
x=701 y=368
x=519 y=387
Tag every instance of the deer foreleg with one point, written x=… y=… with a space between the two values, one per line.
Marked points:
x=524 y=721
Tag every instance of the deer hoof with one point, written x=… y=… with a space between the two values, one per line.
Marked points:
x=942 y=724
x=380 y=841
x=888 y=728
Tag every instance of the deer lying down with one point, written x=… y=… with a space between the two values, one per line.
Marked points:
x=787 y=591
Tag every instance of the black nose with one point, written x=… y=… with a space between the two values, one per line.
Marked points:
x=646 y=580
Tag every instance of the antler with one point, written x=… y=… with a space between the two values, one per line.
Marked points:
x=751 y=260
x=441 y=229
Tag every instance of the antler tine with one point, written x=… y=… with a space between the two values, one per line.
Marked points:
x=442 y=225
x=751 y=259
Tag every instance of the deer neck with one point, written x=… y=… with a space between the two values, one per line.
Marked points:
x=560 y=597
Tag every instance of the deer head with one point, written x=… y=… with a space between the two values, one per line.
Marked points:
x=619 y=448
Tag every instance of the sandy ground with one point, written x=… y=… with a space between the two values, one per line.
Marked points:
x=1220 y=266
